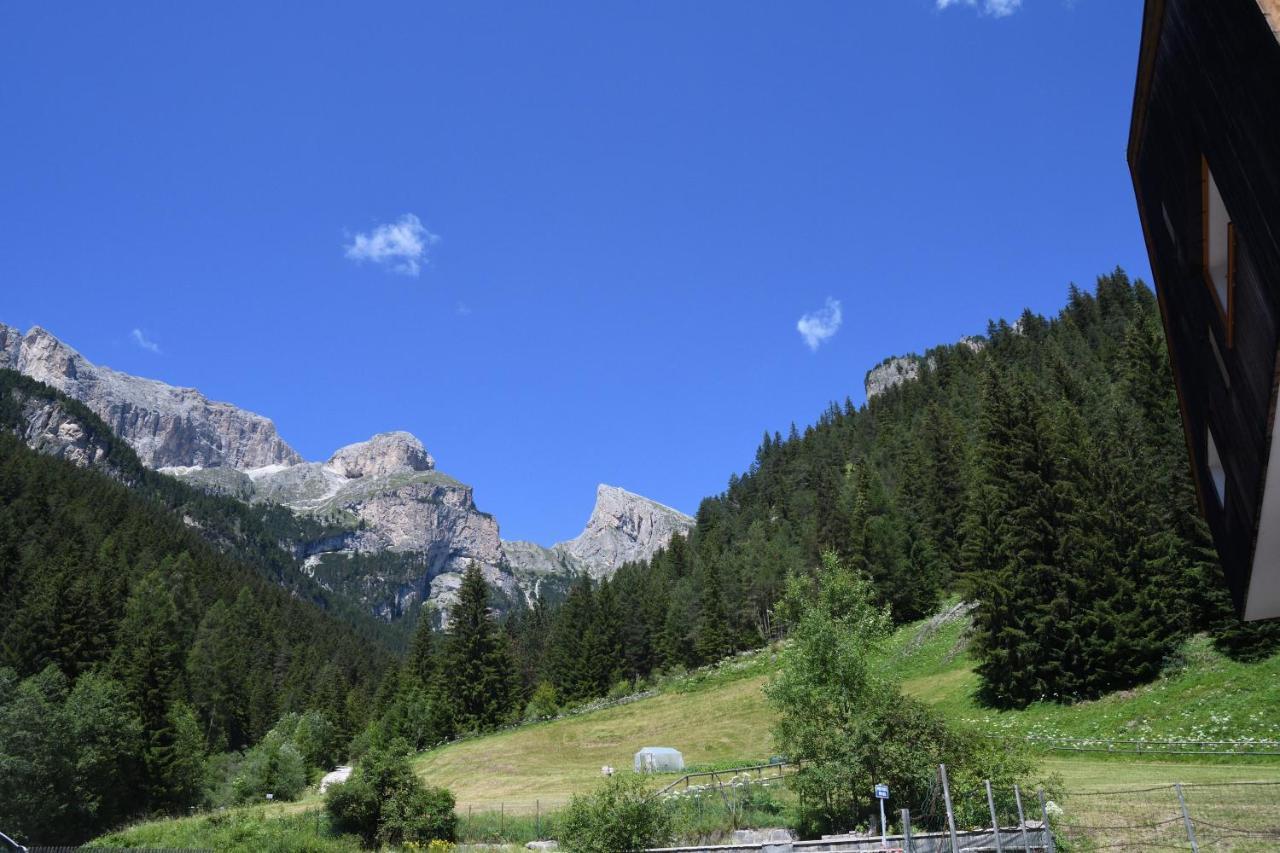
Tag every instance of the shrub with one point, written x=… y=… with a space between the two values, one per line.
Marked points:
x=274 y=766
x=544 y=702
x=851 y=727
x=622 y=816
x=319 y=740
x=384 y=802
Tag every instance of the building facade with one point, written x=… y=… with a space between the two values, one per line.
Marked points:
x=1204 y=153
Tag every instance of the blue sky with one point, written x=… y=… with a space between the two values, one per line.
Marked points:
x=563 y=243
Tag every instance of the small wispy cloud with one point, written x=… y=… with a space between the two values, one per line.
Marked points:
x=817 y=327
x=143 y=341
x=994 y=8
x=400 y=246
x=463 y=310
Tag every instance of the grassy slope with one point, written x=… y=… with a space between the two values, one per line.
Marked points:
x=722 y=718
x=719 y=717
x=1210 y=698
x=724 y=722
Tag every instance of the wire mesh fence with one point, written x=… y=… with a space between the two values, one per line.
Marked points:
x=1235 y=816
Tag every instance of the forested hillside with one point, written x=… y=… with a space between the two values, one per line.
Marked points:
x=1043 y=475
x=132 y=646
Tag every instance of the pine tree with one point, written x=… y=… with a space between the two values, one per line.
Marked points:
x=602 y=643
x=420 y=662
x=480 y=670
x=567 y=663
x=149 y=662
x=216 y=674
x=714 y=638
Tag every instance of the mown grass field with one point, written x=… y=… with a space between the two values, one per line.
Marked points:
x=721 y=717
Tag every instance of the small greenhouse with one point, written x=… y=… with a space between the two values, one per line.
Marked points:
x=659 y=759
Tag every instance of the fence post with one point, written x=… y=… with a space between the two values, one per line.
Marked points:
x=906 y=830
x=951 y=815
x=995 y=821
x=1044 y=822
x=502 y=819
x=537 y=828
x=1186 y=819
x=1022 y=819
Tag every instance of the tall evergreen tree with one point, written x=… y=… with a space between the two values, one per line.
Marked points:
x=480 y=670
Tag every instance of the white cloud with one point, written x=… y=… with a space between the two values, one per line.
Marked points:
x=401 y=246
x=994 y=8
x=142 y=341
x=818 y=326
x=463 y=309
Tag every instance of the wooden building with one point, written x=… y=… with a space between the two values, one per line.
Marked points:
x=1204 y=152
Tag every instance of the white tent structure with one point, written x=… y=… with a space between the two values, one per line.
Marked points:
x=659 y=759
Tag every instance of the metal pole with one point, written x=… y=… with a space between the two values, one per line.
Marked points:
x=951 y=815
x=502 y=818
x=1186 y=819
x=995 y=822
x=884 y=835
x=1044 y=817
x=1022 y=819
x=906 y=830
x=537 y=805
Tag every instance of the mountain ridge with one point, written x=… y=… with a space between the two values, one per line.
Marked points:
x=385 y=493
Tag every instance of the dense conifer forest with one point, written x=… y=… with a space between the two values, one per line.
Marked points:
x=132 y=646
x=1043 y=475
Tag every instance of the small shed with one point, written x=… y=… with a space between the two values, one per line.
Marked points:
x=659 y=759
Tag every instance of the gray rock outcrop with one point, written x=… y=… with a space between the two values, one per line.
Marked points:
x=891 y=373
x=623 y=528
x=166 y=425
x=385 y=453
x=380 y=495
x=903 y=368
x=46 y=426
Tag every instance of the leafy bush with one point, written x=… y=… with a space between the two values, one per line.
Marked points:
x=622 y=816
x=274 y=766
x=544 y=702
x=385 y=803
x=315 y=736
x=848 y=724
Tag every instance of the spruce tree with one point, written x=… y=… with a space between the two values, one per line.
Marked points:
x=478 y=664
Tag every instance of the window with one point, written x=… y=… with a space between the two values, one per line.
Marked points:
x=1216 y=471
x=1219 y=250
x=1217 y=356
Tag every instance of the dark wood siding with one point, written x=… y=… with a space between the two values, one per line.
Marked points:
x=1214 y=92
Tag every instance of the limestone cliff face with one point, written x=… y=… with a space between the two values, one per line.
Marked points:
x=166 y=425
x=385 y=453
x=47 y=427
x=623 y=528
x=891 y=373
x=388 y=496
x=383 y=496
x=903 y=368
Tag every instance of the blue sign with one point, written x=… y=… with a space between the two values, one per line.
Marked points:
x=882 y=792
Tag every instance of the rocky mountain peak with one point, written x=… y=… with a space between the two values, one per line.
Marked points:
x=624 y=527
x=386 y=453
x=166 y=425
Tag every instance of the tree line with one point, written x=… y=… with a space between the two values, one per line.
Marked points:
x=132 y=648
x=1041 y=474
